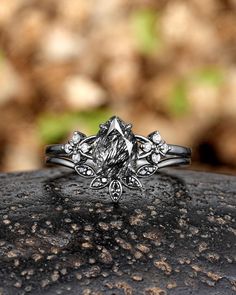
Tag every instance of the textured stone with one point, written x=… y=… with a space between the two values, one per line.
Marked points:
x=176 y=237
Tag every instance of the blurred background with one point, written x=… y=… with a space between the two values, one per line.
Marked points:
x=162 y=65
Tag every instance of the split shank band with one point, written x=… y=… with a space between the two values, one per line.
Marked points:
x=116 y=157
x=181 y=156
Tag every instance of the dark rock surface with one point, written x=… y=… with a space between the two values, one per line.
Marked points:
x=57 y=236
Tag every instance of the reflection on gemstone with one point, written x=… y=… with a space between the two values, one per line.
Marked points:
x=156 y=137
x=85 y=170
x=76 y=137
x=147 y=147
x=164 y=148
x=156 y=158
x=76 y=158
x=99 y=182
x=68 y=148
x=84 y=147
x=146 y=170
x=115 y=149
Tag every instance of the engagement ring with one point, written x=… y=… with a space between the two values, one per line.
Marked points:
x=116 y=156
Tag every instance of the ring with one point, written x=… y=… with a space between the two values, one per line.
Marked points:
x=116 y=156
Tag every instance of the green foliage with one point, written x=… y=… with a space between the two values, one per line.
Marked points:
x=178 y=101
x=144 y=23
x=55 y=127
x=209 y=76
x=92 y=119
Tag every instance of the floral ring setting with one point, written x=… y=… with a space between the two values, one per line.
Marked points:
x=117 y=157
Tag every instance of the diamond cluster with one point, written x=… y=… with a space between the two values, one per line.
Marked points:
x=72 y=148
x=155 y=147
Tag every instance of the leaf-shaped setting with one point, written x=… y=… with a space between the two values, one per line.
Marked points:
x=85 y=170
x=115 y=190
x=146 y=170
x=164 y=148
x=99 y=182
x=131 y=182
x=144 y=146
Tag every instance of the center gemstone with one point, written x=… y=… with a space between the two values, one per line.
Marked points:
x=115 y=148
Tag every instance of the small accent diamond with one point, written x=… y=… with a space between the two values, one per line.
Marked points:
x=156 y=158
x=147 y=147
x=89 y=172
x=164 y=148
x=68 y=148
x=84 y=147
x=156 y=137
x=76 y=137
x=76 y=158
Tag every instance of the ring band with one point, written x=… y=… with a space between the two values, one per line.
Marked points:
x=116 y=157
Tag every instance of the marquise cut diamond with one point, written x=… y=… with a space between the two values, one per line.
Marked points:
x=115 y=149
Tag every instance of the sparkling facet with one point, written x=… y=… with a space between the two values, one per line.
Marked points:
x=76 y=158
x=147 y=147
x=76 y=137
x=84 y=147
x=99 y=182
x=115 y=149
x=85 y=170
x=156 y=137
x=68 y=148
x=155 y=158
x=146 y=170
x=164 y=148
